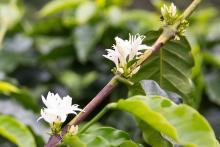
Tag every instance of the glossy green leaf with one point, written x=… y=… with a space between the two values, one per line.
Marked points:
x=16 y=132
x=72 y=141
x=152 y=136
x=179 y=123
x=106 y=137
x=170 y=67
x=56 y=6
x=85 y=38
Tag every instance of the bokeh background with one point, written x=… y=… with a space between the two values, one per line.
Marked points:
x=62 y=52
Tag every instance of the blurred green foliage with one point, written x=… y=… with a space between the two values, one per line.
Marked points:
x=60 y=48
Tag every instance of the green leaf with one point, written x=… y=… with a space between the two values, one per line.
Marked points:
x=170 y=67
x=152 y=136
x=150 y=88
x=212 y=81
x=26 y=99
x=16 y=132
x=9 y=16
x=85 y=38
x=7 y=88
x=56 y=6
x=85 y=12
x=179 y=123
x=128 y=144
x=71 y=141
x=106 y=137
x=21 y=95
x=76 y=82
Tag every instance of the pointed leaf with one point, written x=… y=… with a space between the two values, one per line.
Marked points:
x=179 y=123
x=105 y=137
x=16 y=132
x=170 y=67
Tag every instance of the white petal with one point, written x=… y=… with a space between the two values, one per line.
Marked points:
x=67 y=101
x=63 y=117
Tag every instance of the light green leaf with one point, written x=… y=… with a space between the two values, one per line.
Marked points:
x=16 y=132
x=7 y=88
x=56 y=6
x=10 y=14
x=85 y=38
x=170 y=67
x=106 y=137
x=21 y=95
x=139 y=20
x=179 y=123
x=152 y=136
x=85 y=11
x=71 y=141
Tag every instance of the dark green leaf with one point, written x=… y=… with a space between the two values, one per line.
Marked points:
x=170 y=67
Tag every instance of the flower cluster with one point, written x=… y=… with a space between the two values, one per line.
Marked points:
x=169 y=14
x=124 y=52
x=169 y=17
x=57 y=109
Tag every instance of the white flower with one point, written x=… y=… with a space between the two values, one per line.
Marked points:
x=125 y=51
x=57 y=108
x=169 y=13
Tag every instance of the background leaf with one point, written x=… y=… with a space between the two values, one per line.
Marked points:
x=16 y=132
x=212 y=86
x=85 y=38
x=57 y=6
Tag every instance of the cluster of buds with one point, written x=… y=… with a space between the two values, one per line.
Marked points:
x=56 y=110
x=170 y=16
x=125 y=52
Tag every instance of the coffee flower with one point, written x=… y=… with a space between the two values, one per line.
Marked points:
x=57 y=108
x=125 y=51
x=169 y=14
